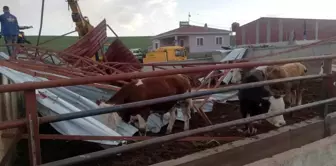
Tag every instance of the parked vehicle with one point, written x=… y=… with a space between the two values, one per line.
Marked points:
x=138 y=53
x=165 y=54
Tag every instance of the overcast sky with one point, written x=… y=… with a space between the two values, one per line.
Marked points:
x=151 y=17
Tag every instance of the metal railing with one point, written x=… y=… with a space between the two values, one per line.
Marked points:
x=32 y=121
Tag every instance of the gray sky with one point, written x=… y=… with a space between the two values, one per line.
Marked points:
x=151 y=17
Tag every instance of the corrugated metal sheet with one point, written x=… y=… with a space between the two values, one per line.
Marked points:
x=89 y=44
x=61 y=100
x=235 y=54
x=118 y=52
x=55 y=103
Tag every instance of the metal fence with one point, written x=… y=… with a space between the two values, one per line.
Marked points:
x=32 y=121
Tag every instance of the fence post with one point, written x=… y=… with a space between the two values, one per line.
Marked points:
x=327 y=92
x=33 y=128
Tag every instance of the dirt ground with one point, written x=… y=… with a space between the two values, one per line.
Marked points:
x=55 y=150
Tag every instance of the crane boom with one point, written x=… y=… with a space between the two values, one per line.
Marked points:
x=83 y=25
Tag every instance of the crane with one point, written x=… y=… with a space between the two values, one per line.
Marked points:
x=83 y=25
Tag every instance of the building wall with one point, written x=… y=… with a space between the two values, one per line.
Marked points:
x=170 y=41
x=270 y=30
x=167 y=42
x=190 y=42
x=154 y=42
x=209 y=43
x=185 y=39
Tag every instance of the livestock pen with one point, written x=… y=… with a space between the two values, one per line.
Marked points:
x=32 y=120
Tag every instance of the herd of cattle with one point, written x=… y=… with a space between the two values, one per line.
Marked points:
x=253 y=101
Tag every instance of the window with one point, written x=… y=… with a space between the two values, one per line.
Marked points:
x=179 y=53
x=219 y=40
x=182 y=43
x=199 y=41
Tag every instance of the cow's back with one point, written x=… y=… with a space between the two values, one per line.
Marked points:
x=180 y=83
x=157 y=87
x=151 y=88
x=294 y=69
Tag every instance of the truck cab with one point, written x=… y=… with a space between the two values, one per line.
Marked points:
x=166 y=54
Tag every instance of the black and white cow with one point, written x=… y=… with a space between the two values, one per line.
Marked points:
x=259 y=100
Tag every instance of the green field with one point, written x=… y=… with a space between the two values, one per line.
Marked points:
x=64 y=42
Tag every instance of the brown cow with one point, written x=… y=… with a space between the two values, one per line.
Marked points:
x=293 y=90
x=150 y=88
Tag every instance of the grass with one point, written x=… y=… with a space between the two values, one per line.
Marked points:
x=64 y=42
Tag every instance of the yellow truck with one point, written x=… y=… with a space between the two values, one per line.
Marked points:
x=165 y=54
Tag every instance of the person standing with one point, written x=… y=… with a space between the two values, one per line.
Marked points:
x=9 y=28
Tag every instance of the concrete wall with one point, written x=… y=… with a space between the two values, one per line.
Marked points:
x=322 y=152
x=326 y=48
x=269 y=144
x=252 y=149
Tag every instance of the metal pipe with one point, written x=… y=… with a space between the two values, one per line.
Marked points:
x=12 y=124
x=188 y=64
x=44 y=42
x=116 y=108
x=53 y=77
x=130 y=76
x=33 y=128
x=41 y=24
x=193 y=63
x=108 y=26
x=115 y=138
x=121 y=149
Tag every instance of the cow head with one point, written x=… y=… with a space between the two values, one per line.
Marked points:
x=276 y=104
x=237 y=75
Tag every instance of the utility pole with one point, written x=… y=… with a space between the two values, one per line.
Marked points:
x=189 y=18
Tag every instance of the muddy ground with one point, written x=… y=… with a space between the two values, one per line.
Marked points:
x=55 y=150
